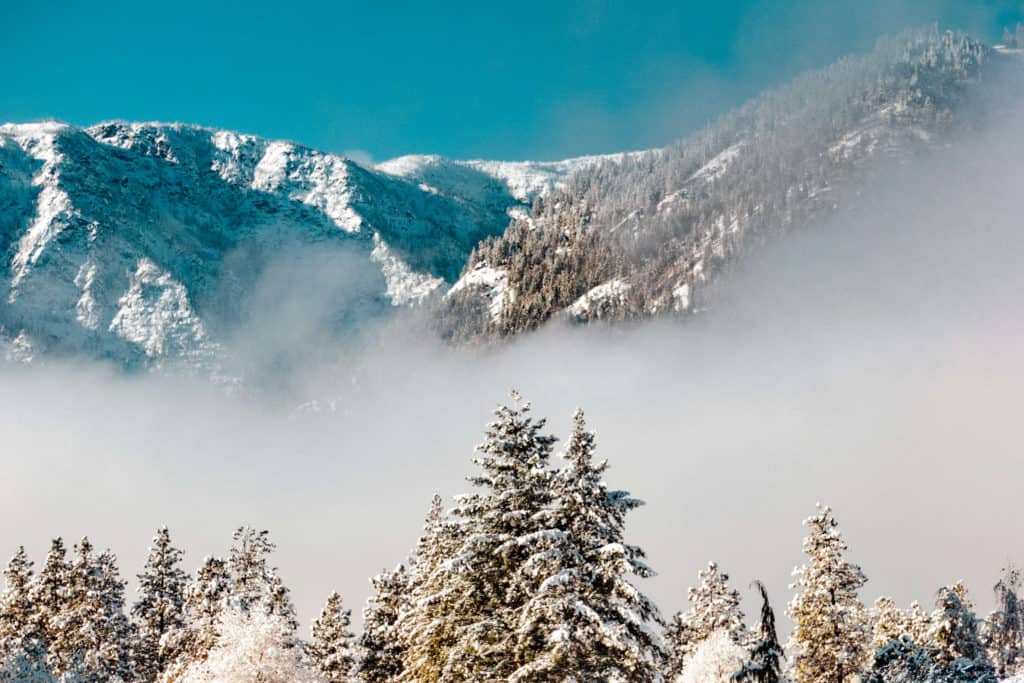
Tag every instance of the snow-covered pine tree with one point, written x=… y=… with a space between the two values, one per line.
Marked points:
x=47 y=593
x=332 y=649
x=476 y=603
x=18 y=634
x=583 y=619
x=380 y=648
x=93 y=641
x=765 y=662
x=113 y=636
x=425 y=627
x=254 y=647
x=1004 y=636
x=714 y=606
x=888 y=623
x=250 y=572
x=831 y=633
x=159 y=611
x=205 y=599
x=918 y=622
x=954 y=631
x=716 y=659
x=278 y=601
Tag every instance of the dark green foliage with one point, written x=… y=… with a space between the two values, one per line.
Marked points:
x=765 y=665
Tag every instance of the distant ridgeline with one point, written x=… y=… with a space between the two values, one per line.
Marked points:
x=650 y=233
x=165 y=245
x=528 y=579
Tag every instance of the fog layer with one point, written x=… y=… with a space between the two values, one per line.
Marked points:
x=871 y=362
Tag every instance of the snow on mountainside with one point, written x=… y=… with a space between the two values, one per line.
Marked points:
x=143 y=242
x=524 y=179
x=651 y=233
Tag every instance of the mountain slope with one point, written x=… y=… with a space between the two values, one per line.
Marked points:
x=650 y=234
x=142 y=242
x=153 y=245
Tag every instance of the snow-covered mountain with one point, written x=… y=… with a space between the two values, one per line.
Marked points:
x=142 y=242
x=650 y=234
x=162 y=244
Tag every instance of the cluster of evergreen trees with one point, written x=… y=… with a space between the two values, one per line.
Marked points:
x=527 y=578
x=663 y=224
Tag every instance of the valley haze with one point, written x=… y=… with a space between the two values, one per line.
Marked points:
x=203 y=329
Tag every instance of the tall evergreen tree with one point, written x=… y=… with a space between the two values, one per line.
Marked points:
x=831 y=633
x=251 y=574
x=205 y=600
x=425 y=628
x=1004 y=636
x=18 y=628
x=333 y=647
x=159 y=612
x=954 y=629
x=93 y=641
x=381 y=651
x=714 y=606
x=918 y=623
x=278 y=602
x=583 y=619
x=476 y=603
x=765 y=665
x=47 y=591
x=888 y=623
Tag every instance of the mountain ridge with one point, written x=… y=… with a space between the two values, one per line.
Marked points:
x=149 y=244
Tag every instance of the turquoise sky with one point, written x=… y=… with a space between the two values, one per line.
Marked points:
x=465 y=79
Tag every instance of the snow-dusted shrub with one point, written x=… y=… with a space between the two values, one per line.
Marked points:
x=715 y=660
x=253 y=646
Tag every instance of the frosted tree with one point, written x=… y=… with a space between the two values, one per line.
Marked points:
x=332 y=649
x=678 y=642
x=380 y=649
x=93 y=638
x=18 y=628
x=278 y=601
x=954 y=629
x=831 y=632
x=474 y=598
x=254 y=647
x=159 y=611
x=714 y=606
x=47 y=591
x=918 y=622
x=248 y=564
x=715 y=660
x=1004 y=637
x=583 y=619
x=205 y=599
x=764 y=663
x=888 y=623
x=426 y=628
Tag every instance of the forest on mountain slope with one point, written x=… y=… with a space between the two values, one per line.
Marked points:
x=651 y=234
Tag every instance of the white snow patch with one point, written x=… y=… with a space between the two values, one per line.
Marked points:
x=613 y=290
x=155 y=313
x=713 y=169
x=404 y=285
x=85 y=309
x=53 y=206
x=681 y=297
x=492 y=281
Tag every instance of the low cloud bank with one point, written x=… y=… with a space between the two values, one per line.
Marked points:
x=872 y=362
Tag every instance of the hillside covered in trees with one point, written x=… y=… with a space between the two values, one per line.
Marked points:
x=529 y=577
x=651 y=234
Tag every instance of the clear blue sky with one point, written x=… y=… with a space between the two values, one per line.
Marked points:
x=465 y=79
